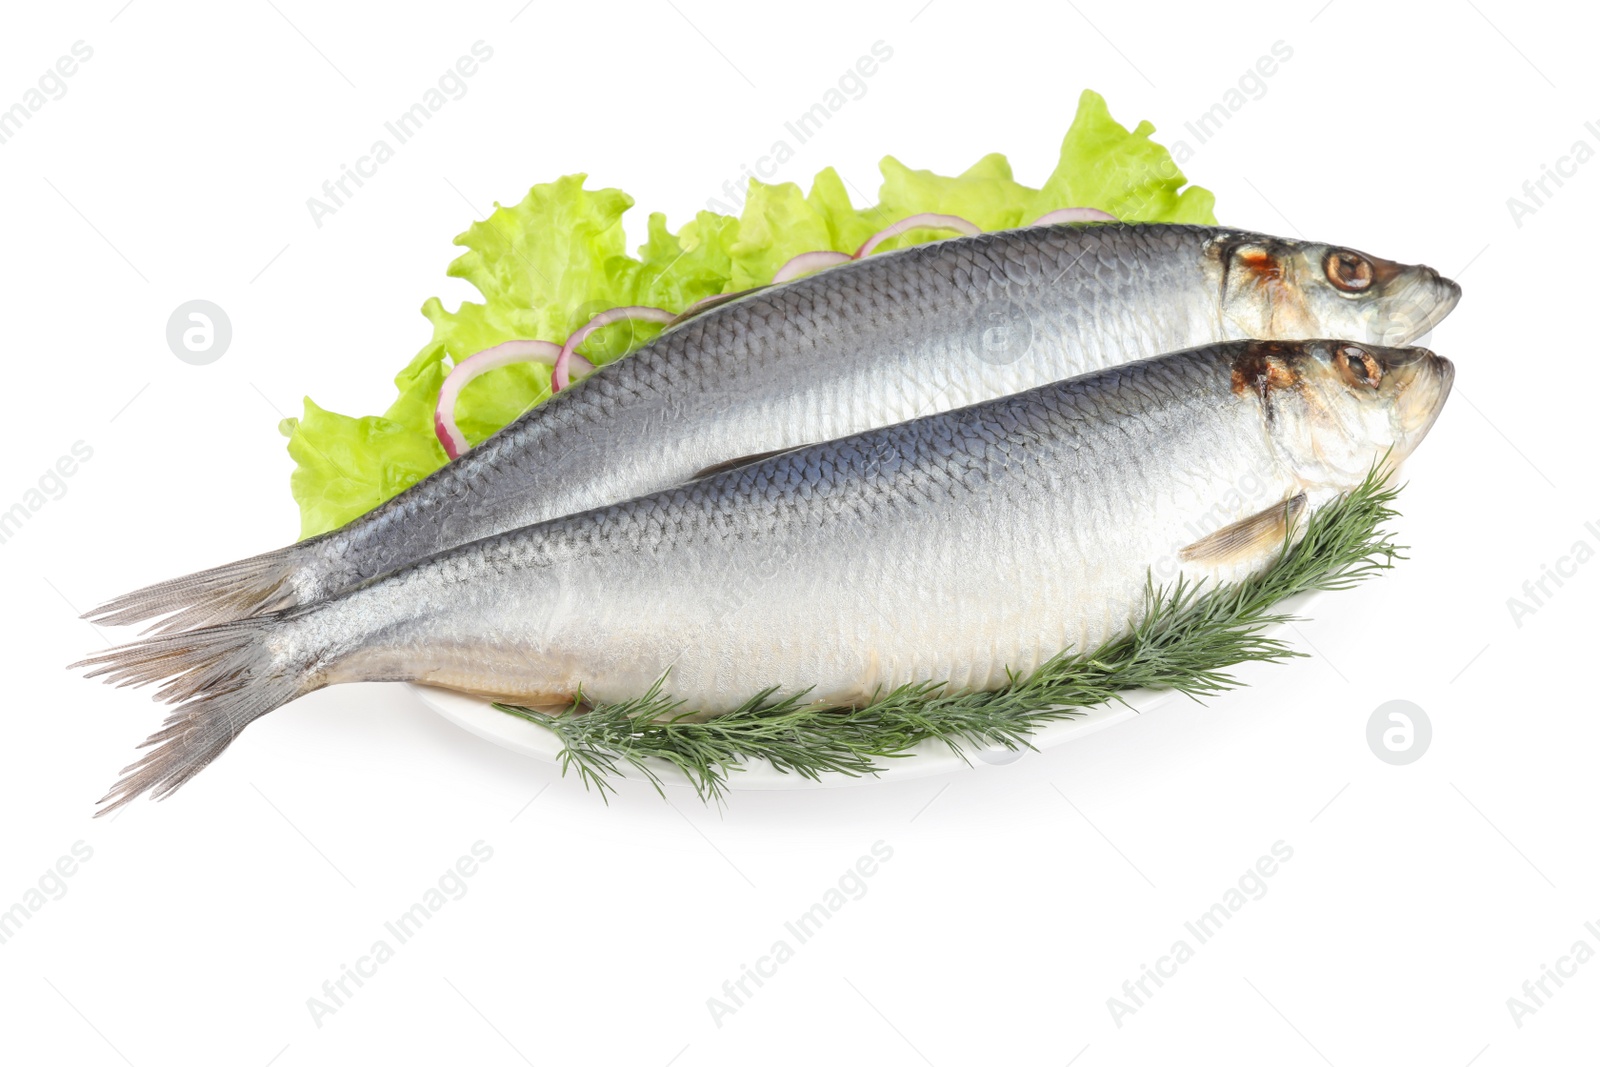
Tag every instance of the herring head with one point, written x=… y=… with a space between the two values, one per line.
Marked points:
x=1335 y=408
x=1294 y=290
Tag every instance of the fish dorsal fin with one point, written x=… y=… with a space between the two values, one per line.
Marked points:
x=738 y=461
x=1262 y=533
x=711 y=303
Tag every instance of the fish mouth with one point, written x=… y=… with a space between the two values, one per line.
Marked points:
x=1420 y=303
x=1423 y=384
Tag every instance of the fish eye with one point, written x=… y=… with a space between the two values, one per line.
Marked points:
x=1359 y=366
x=1348 y=271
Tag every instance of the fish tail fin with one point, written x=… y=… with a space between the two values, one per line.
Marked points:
x=222 y=678
x=232 y=591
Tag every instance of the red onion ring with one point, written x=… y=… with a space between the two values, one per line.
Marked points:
x=806 y=262
x=1073 y=214
x=501 y=355
x=559 y=379
x=927 y=220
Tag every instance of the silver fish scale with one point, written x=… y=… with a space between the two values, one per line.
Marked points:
x=949 y=548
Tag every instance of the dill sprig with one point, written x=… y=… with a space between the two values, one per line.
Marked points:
x=1188 y=637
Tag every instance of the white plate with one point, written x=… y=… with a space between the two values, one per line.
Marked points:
x=931 y=757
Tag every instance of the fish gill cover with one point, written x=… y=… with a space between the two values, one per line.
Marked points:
x=551 y=262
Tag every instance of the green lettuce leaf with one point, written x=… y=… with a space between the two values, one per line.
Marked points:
x=1103 y=165
x=547 y=265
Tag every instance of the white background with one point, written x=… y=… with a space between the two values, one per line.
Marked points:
x=1018 y=899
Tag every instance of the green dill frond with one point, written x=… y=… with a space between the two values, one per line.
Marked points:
x=1187 y=639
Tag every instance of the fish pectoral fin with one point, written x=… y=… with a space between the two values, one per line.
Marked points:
x=738 y=461
x=1261 y=533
